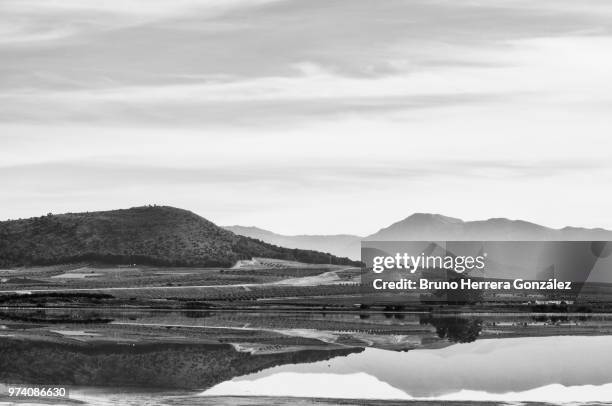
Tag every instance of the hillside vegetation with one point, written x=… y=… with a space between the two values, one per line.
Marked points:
x=153 y=235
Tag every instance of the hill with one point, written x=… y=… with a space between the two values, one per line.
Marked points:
x=343 y=245
x=154 y=235
x=435 y=227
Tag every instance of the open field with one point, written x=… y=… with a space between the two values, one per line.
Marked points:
x=86 y=276
x=258 y=284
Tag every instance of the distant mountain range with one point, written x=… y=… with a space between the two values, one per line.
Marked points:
x=343 y=245
x=429 y=227
x=153 y=235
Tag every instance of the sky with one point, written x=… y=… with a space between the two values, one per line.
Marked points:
x=308 y=117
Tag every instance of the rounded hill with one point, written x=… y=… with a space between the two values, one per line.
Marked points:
x=154 y=235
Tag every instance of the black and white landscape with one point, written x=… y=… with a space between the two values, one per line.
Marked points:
x=428 y=227
x=158 y=305
x=185 y=186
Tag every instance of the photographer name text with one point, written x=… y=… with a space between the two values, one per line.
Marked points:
x=470 y=284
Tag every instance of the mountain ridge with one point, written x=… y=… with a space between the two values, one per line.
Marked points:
x=424 y=226
x=430 y=226
x=344 y=245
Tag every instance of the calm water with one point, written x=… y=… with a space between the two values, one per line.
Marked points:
x=211 y=358
x=561 y=368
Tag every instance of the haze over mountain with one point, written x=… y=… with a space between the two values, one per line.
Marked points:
x=155 y=235
x=344 y=245
x=425 y=227
x=431 y=227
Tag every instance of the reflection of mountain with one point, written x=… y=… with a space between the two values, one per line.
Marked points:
x=187 y=366
x=429 y=227
x=486 y=368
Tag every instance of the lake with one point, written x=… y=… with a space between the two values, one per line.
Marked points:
x=108 y=357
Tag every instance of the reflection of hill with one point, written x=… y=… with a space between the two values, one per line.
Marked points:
x=187 y=366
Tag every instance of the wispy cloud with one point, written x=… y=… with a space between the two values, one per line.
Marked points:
x=571 y=70
x=34 y=22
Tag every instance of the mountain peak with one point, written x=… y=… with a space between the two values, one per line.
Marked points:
x=431 y=217
x=423 y=226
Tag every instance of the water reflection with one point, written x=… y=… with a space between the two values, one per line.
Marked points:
x=484 y=368
x=310 y=353
x=455 y=329
x=72 y=316
x=161 y=365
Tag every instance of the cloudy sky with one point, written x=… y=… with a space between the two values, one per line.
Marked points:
x=309 y=116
